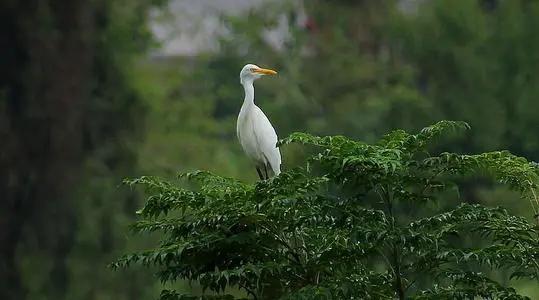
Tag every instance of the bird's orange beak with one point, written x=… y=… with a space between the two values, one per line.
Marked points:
x=264 y=71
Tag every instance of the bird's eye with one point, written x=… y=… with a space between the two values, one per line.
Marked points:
x=252 y=69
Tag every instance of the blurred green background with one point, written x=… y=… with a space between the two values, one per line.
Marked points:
x=92 y=91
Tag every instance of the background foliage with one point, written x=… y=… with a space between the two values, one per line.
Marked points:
x=82 y=105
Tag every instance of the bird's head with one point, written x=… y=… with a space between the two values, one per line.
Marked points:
x=251 y=72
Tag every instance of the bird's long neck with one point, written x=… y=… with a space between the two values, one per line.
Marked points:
x=249 y=99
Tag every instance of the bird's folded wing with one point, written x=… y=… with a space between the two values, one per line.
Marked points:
x=267 y=140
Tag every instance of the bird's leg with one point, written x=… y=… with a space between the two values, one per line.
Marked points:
x=259 y=173
x=266 y=171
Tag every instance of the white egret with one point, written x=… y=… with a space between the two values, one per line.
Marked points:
x=255 y=132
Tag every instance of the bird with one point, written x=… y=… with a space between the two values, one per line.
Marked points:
x=255 y=132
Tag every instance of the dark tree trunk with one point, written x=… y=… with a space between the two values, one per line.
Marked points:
x=46 y=57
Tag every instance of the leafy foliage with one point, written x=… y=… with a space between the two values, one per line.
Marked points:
x=331 y=229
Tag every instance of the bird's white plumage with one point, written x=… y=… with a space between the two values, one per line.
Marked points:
x=255 y=132
x=258 y=138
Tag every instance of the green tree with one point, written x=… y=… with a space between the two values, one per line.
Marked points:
x=358 y=221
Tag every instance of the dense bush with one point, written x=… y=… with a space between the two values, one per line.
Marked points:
x=359 y=221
